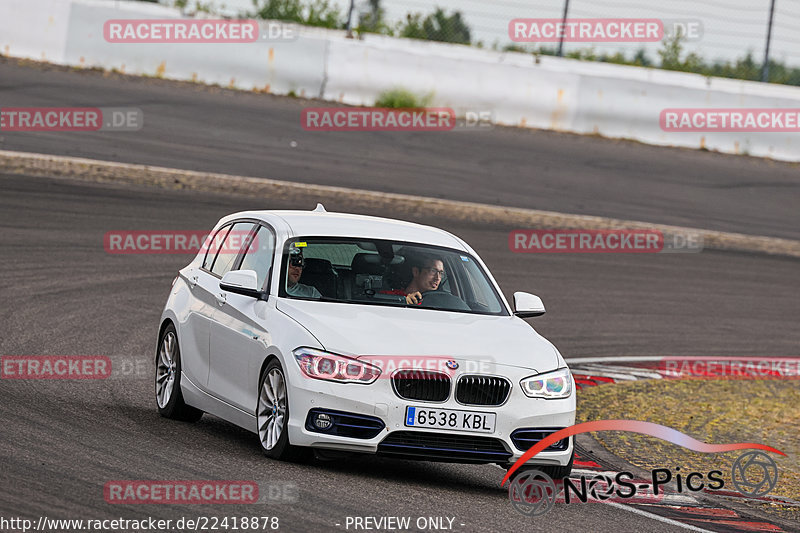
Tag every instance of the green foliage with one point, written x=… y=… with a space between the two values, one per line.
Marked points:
x=280 y=10
x=437 y=26
x=312 y=13
x=412 y=29
x=373 y=20
x=744 y=68
x=401 y=98
x=671 y=55
x=321 y=13
x=640 y=58
x=584 y=54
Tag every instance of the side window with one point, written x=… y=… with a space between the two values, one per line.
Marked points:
x=229 y=249
x=213 y=245
x=259 y=254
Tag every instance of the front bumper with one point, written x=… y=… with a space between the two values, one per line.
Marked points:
x=379 y=400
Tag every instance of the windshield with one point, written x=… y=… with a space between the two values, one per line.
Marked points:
x=382 y=272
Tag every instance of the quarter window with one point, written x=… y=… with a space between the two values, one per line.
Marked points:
x=211 y=247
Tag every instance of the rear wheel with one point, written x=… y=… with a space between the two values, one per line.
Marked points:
x=168 y=380
x=272 y=415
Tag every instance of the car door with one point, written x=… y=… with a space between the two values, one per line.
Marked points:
x=223 y=250
x=238 y=336
x=196 y=332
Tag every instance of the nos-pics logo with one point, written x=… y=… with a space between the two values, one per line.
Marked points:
x=533 y=493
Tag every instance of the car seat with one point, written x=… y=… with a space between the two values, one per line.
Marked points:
x=319 y=273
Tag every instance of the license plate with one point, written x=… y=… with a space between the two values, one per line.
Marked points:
x=423 y=417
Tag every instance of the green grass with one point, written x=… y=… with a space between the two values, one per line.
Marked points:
x=712 y=411
x=401 y=98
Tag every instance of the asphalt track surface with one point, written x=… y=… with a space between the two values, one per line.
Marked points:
x=209 y=129
x=63 y=440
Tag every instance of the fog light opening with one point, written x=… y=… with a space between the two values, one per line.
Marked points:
x=323 y=421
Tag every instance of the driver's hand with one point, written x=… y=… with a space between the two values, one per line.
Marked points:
x=414 y=298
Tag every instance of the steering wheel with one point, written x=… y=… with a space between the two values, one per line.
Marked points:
x=443 y=300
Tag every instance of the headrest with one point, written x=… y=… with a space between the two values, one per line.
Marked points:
x=367 y=264
x=317 y=266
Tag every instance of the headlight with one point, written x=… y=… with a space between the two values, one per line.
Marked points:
x=317 y=364
x=552 y=385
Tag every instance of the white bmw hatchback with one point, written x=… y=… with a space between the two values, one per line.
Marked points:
x=361 y=334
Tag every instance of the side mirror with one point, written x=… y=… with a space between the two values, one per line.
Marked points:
x=243 y=282
x=527 y=305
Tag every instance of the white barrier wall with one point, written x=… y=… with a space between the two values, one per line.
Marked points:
x=554 y=93
x=277 y=67
x=35 y=29
x=559 y=94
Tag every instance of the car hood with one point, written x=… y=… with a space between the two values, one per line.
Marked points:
x=367 y=330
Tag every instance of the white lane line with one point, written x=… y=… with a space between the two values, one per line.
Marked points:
x=656 y=517
x=585 y=472
x=605 y=367
x=635 y=358
x=617 y=372
x=612 y=375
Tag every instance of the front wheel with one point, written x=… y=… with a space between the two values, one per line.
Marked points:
x=272 y=415
x=169 y=398
x=556 y=472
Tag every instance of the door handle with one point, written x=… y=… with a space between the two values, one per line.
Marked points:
x=221 y=298
x=193 y=281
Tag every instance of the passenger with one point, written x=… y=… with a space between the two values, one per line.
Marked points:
x=295 y=270
x=428 y=273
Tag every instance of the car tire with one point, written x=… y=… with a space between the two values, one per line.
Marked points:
x=169 y=397
x=558 y=471
x=272 y=415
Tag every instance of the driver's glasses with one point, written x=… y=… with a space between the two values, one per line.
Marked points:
x=435 y=273
x=296 y=261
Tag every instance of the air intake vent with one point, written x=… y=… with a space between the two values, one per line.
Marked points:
x=422 y=385
x=482 y=390
x=526 y=438
x=444 y=447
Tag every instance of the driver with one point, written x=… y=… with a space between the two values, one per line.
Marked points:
x=428 y=273
x=295 y=270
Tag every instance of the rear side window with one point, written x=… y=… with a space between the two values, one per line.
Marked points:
x=259 y=254
x=212 y=246
x=228 y=250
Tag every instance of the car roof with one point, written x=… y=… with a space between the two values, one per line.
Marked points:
x=320 y=223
